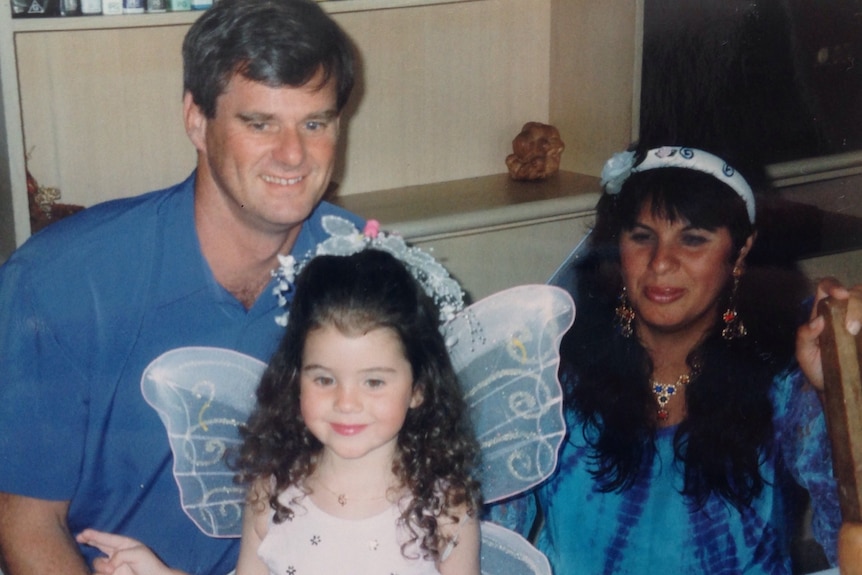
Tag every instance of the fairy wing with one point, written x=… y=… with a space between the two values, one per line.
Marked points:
x=505 y=349
x=202 y=395
x=504 y=552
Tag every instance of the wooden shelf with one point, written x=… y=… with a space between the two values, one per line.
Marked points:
x=102 y=22
x=449 y=209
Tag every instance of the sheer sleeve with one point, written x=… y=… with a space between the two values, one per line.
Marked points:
x=802 y=439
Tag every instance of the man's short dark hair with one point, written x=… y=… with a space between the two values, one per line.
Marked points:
x=275 y=42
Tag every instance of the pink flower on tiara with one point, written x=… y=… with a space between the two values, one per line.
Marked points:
x=372 y=228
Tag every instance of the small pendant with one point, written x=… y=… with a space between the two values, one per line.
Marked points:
x=342 y=499
x=663 y=392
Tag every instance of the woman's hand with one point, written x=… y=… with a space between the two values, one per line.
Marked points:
x=850 y=549
x=125 y=556
x=807 y=336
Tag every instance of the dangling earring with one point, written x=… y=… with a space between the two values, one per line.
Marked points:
x=625 y=314
x=733 y=326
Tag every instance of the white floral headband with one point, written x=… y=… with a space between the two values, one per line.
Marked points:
x=345 y=239
x=621 y=165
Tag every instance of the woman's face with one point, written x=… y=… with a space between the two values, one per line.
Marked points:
x=675 y=273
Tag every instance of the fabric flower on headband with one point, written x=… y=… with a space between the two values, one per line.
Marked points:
x=616 y=171
x=345 y=239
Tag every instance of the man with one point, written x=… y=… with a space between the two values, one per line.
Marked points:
x=88 y=304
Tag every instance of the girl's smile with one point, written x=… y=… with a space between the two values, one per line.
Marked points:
x=343 y=429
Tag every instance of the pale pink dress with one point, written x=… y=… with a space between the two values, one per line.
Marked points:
x=317 y=543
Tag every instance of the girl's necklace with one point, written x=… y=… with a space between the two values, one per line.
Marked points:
x=664 y=391
x=343 y=499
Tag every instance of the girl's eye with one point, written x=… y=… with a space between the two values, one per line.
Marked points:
x=323 y=381
x=375 y=383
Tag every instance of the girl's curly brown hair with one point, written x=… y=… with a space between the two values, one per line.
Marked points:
x=437 y=453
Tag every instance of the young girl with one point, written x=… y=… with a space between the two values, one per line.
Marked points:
x=359 y=455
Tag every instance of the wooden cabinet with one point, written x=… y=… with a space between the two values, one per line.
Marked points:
x=94 y=103
x=490 y=232
x=489 y=260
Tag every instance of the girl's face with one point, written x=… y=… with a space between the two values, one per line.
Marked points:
x=675 y=273
x=355 y=391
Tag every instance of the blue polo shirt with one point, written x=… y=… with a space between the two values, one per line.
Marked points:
x=85 y=306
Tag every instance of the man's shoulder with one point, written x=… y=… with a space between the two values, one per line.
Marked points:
x=103 y=230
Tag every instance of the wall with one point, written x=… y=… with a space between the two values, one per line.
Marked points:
x=445 y=90
x=595 y=88
x=841 y=239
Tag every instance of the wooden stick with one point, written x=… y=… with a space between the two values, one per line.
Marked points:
x=841 y=353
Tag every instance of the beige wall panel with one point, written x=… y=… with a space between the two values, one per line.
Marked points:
x=446 y=89
x=846 y=267
x=840 y=195
x=102 y=110
x=595 y=71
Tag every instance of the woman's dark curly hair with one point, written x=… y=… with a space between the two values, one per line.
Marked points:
x=728 y=428
x=437 y=452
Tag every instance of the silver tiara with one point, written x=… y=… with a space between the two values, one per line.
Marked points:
x=345 y=239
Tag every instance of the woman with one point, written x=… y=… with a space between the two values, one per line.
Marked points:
x=686 y=430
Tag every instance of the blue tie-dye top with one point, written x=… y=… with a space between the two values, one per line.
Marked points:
x=651 y=528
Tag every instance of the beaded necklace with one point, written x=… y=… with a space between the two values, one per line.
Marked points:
x=664 y=391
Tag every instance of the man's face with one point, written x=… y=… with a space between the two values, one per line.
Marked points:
x=267 y=155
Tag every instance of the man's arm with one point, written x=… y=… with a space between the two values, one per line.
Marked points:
x=34 y=538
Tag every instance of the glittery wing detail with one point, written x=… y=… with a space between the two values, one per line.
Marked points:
x=202 y=395
x=505 y=349
x=506 y=552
